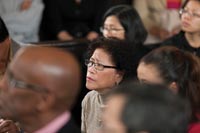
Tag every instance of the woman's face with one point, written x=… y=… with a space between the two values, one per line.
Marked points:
x=112 y=115
x=148 y=73
x=113 y=28
x=102 y=79
x=190 y=18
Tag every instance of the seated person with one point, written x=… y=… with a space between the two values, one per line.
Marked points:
x=160 y=17
x=40 y=87
x=177 y=70
x=123 y=22
x=109 y=63
x=22 y=18
x=188 y=39
x=140 y=108
x=71 y=19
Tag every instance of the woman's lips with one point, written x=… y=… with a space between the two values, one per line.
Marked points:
x=185 y=24
x=90 y=79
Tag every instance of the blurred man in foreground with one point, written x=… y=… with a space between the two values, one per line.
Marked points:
x=39 y=89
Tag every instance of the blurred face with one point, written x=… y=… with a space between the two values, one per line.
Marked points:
x=113 y=28
x=148 y=73
x=101 y=79
x=190 y=18
x=111 y=116
x=16 y=99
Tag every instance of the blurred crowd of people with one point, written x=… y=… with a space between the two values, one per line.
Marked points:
x=142 y=66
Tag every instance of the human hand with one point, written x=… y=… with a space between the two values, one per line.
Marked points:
x=8 y=126
x=92 y=35
x=25 y=5
x=64 y=36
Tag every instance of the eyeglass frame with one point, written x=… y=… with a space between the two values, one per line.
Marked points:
x=184 y=11
x=87 y=62
x=112 y=30
x=14 y=83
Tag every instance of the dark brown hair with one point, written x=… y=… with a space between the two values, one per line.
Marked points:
x=186 y=2
x=121 y=53
x=181 y=67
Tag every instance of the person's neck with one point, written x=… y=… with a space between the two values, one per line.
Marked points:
x=193 y=39
x=103 y=92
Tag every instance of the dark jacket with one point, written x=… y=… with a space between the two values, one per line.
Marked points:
x=70 y=127
x=181 y=42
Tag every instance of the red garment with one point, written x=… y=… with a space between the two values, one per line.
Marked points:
x=173 y=4
x=194 y=128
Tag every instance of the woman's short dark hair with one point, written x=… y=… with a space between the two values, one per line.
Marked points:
x=129 y=18
x=186 y=2
x=3 y=31
x=120 y=53
x=181 y=67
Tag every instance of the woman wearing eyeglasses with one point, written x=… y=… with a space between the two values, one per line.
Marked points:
x=109 y=63
x=123 y=22
x=189 y=38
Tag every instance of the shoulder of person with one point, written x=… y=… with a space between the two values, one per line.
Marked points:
x=90 y=95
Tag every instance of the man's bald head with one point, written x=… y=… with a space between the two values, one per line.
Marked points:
x=57 y=71
x=40 y=84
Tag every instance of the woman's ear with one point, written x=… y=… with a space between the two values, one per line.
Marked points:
x=174 y=87
x=119 y=77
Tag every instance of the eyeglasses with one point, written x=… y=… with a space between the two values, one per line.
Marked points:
x=14 y=83
x=97 y=66
x=192 y=14
x=112 y=30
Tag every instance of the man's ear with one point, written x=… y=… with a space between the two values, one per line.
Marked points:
x=174 y=87
x=46 y=101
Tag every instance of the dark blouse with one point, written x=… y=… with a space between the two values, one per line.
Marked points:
x=77 y=19
x=181 y=42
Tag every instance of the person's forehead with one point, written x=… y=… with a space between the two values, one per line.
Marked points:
x=101 y=54
x=112 y=21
